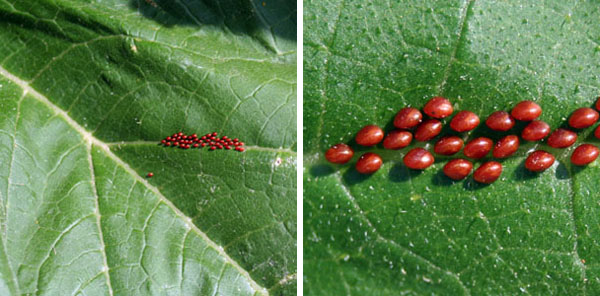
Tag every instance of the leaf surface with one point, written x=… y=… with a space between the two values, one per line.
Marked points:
x=404 y=232
x=88 y=89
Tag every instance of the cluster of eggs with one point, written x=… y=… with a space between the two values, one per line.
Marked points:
x=211 y=140
x=437 y=108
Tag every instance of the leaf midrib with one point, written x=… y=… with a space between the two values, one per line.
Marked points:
x=91 y=140
x=10 y=166
x=98 y=216
x=247 y=147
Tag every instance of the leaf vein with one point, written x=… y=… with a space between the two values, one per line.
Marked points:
x=88 y=136
x=98 y=217
x=380 y=237
x=462 y=28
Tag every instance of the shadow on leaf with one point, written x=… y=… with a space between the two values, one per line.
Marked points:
x=471 y=185
x=352 y=177
x=523 y=174
x=562 y=172
x=238 y=16
x=321 y=170
x=440 y=179
x=400 y=173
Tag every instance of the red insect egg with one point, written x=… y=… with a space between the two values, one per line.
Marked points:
x=150 y=175
x=176 y=144
x=241 y=149
x=203 y=144
x=368 y=163
x=236 y=140
x=500 y=121
x=338 y=153
x=539 y=160
x=488 y=172
x=464 y=121
x=194 y=136
x=369 y=135
x=397 y=139
x=562 y=138
x=168 y=144
x=458 y=169
x=407 y=118
x=438 y=107
x=535 y=131
x=213 y=148
x=526 y=111
x=428 y=130
x=227 y=147
x=180 y=134
x=168 y=139
x=506 y=146
x=448 y=145
x=214 y=134
x=583 y=117
x=164 y=141
x=418 y=159
x=584 y=154
x=478 y=147
x=196 y=145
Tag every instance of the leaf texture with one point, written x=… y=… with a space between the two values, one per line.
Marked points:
x=404 y=232
x=88 y=89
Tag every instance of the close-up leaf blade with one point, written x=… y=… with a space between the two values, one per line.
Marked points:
x=88 y=90
x=403 y=231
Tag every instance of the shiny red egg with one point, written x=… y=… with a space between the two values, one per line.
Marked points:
x=339 y=153
x=458 y=169
x=488 y=172
x=438 y=107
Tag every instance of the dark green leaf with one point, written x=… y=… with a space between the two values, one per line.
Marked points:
x=403 y=232
x=88 y=89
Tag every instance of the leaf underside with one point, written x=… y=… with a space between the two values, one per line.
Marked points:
x=88 y=89
x=406 y=232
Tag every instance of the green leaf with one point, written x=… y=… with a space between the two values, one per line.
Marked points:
x=404 y=232
x=88 y=89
